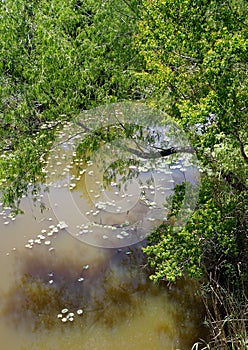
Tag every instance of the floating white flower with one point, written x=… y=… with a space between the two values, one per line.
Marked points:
x=62 y=225
x=64 y=311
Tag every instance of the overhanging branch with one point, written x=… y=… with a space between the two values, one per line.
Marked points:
x=160 y=152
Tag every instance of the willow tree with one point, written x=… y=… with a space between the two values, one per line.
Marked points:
x=57 y=59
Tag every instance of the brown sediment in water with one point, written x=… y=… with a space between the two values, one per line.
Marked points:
x=121 y=307
x=114 y=293
x=116 y=298
x=45 y=285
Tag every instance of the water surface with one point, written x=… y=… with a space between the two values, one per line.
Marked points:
x=74 y=276
x=121 y=308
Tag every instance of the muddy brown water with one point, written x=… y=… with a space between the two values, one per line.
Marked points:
x=74 y=277
x=111 y=302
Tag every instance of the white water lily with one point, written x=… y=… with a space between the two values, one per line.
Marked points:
x=64 y=311
x=62 y=225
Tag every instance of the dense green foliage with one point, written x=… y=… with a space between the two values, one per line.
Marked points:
x=187 y=58
x=57 y=58
x=195 y=68
x=195 y=56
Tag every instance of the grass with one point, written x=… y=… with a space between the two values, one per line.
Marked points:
x=226 y=316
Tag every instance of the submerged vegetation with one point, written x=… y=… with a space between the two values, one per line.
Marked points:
x=186 y=58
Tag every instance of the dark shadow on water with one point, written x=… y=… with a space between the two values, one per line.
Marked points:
x=45 y=285
x=110 y=294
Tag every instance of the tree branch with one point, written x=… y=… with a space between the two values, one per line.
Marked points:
x=84 y=127
x=241 y=145
x=172 y=150
x=68 y=139
x=160 y=152
x=186 y=57
x=228 y=176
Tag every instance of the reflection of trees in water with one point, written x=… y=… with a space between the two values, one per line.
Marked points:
x=106 y=293
x=123 y=288
x=32 y=303
x=114 y=293
x=118 y=301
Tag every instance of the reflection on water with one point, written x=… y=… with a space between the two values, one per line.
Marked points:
x=102 y=295
x=111 y=187
x=58 y=292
